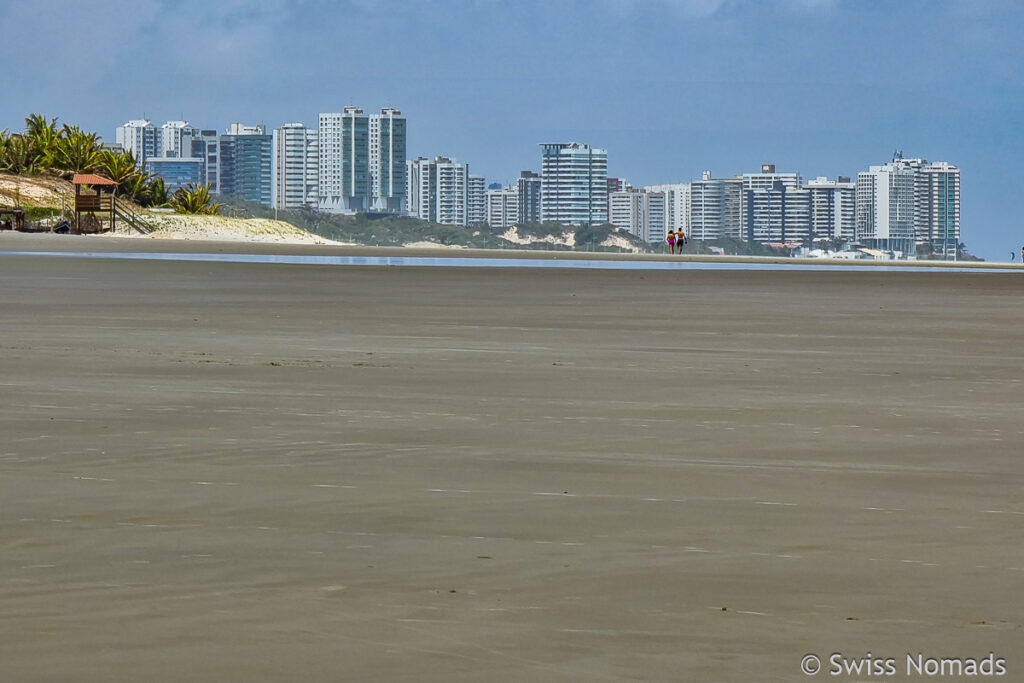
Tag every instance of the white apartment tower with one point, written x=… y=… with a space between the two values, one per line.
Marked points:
x=885 y=207
x=295 y=167
x=644 y=213
x=362 y=161
x=386 y=159
x=833 y=214
x=677 y=205
x=715 y=207
x=176 y=139
x=574 y=189
x=937 y=214
x=476 y=200
x=413 y=171
x=438 y=190
x=141 y=138
x=774 y=208
x=343 y=178
x=625 y=210
x=503 y=207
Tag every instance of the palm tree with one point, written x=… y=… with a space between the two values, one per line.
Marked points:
x=5 y=141
x=118 y=166
x=42 y=135
x=21 y=156
x=157 y=192
x=136 y=189
x=75 y=151
x=195 y=199
x=37 y=126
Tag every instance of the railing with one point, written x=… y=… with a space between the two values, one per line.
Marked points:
x=129 y=216
x=92 y=203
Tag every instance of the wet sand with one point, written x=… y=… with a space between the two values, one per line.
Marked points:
x=245 y=472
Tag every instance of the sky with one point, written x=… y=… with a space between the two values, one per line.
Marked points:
x=668 y=87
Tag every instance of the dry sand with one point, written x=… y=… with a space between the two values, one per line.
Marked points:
x=238 y=472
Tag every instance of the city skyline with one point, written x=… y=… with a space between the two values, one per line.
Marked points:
x=669 y=88
x=904 y=206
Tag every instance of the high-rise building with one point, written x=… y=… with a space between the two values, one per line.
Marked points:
x=644 y=213
x=625 y=210
x=165 y=152
x=141 y=138
x=438 y=190
x=245 y=164
x=503 y=207
x=528 y=185
x=414 y=169
x=715 y=207
x=361 y=161
x=655 y=225
x=773 y=207
x=677 y=205
x=343 y=182
x=295 y=167
x=476 y=200
x=885 y=207
x=909 y=205
x=574 y=189
x=937 y=210
x=206 y=148
x=386 y=160
x=832 y=208
x=777 y=214
x=176 y=139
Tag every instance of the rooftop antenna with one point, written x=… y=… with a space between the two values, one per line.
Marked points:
x=897 y=155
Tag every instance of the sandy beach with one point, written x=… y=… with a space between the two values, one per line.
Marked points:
x=252 y=472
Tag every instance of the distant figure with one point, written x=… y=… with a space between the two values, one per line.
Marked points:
x=671 y=241
x=682 y=236
x=1022 y=254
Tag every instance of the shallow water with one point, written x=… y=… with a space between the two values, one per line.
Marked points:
x=498 y=262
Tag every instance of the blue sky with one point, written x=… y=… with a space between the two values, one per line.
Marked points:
x=669 y=88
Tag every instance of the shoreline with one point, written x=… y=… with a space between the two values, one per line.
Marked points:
x=84 y=243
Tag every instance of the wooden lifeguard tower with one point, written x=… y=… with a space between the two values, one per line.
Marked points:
x=92 y=204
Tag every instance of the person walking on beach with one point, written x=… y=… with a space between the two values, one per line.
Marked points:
x=671 y=241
